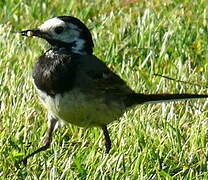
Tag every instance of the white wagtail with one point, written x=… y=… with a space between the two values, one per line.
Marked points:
x=76 y=87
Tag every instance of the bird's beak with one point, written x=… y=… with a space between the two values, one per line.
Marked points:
x=35 y=32
x=30 y=33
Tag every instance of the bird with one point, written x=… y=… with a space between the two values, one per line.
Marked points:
x=78 y=88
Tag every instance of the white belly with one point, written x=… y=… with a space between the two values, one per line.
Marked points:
x=77 y=108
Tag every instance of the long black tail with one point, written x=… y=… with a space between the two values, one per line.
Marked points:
x=134 y=99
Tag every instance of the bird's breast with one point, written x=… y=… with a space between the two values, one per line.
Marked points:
x=55 y=73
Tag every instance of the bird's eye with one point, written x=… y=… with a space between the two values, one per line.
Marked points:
x=59 y=29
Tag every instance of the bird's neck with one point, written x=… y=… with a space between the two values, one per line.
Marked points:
x=78 y=46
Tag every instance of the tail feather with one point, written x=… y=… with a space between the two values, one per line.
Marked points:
x=134 y=99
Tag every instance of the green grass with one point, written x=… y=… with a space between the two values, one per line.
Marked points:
x=136 y=39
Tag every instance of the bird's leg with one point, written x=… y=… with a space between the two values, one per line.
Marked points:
x=48 y=139
x=107 y=139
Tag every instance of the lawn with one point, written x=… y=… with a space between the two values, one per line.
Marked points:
x=137 y=39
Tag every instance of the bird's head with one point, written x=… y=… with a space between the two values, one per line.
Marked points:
x=64 y=32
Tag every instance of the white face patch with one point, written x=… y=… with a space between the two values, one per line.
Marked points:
x=79 y=45
x=71 y=33
x=51 y=24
